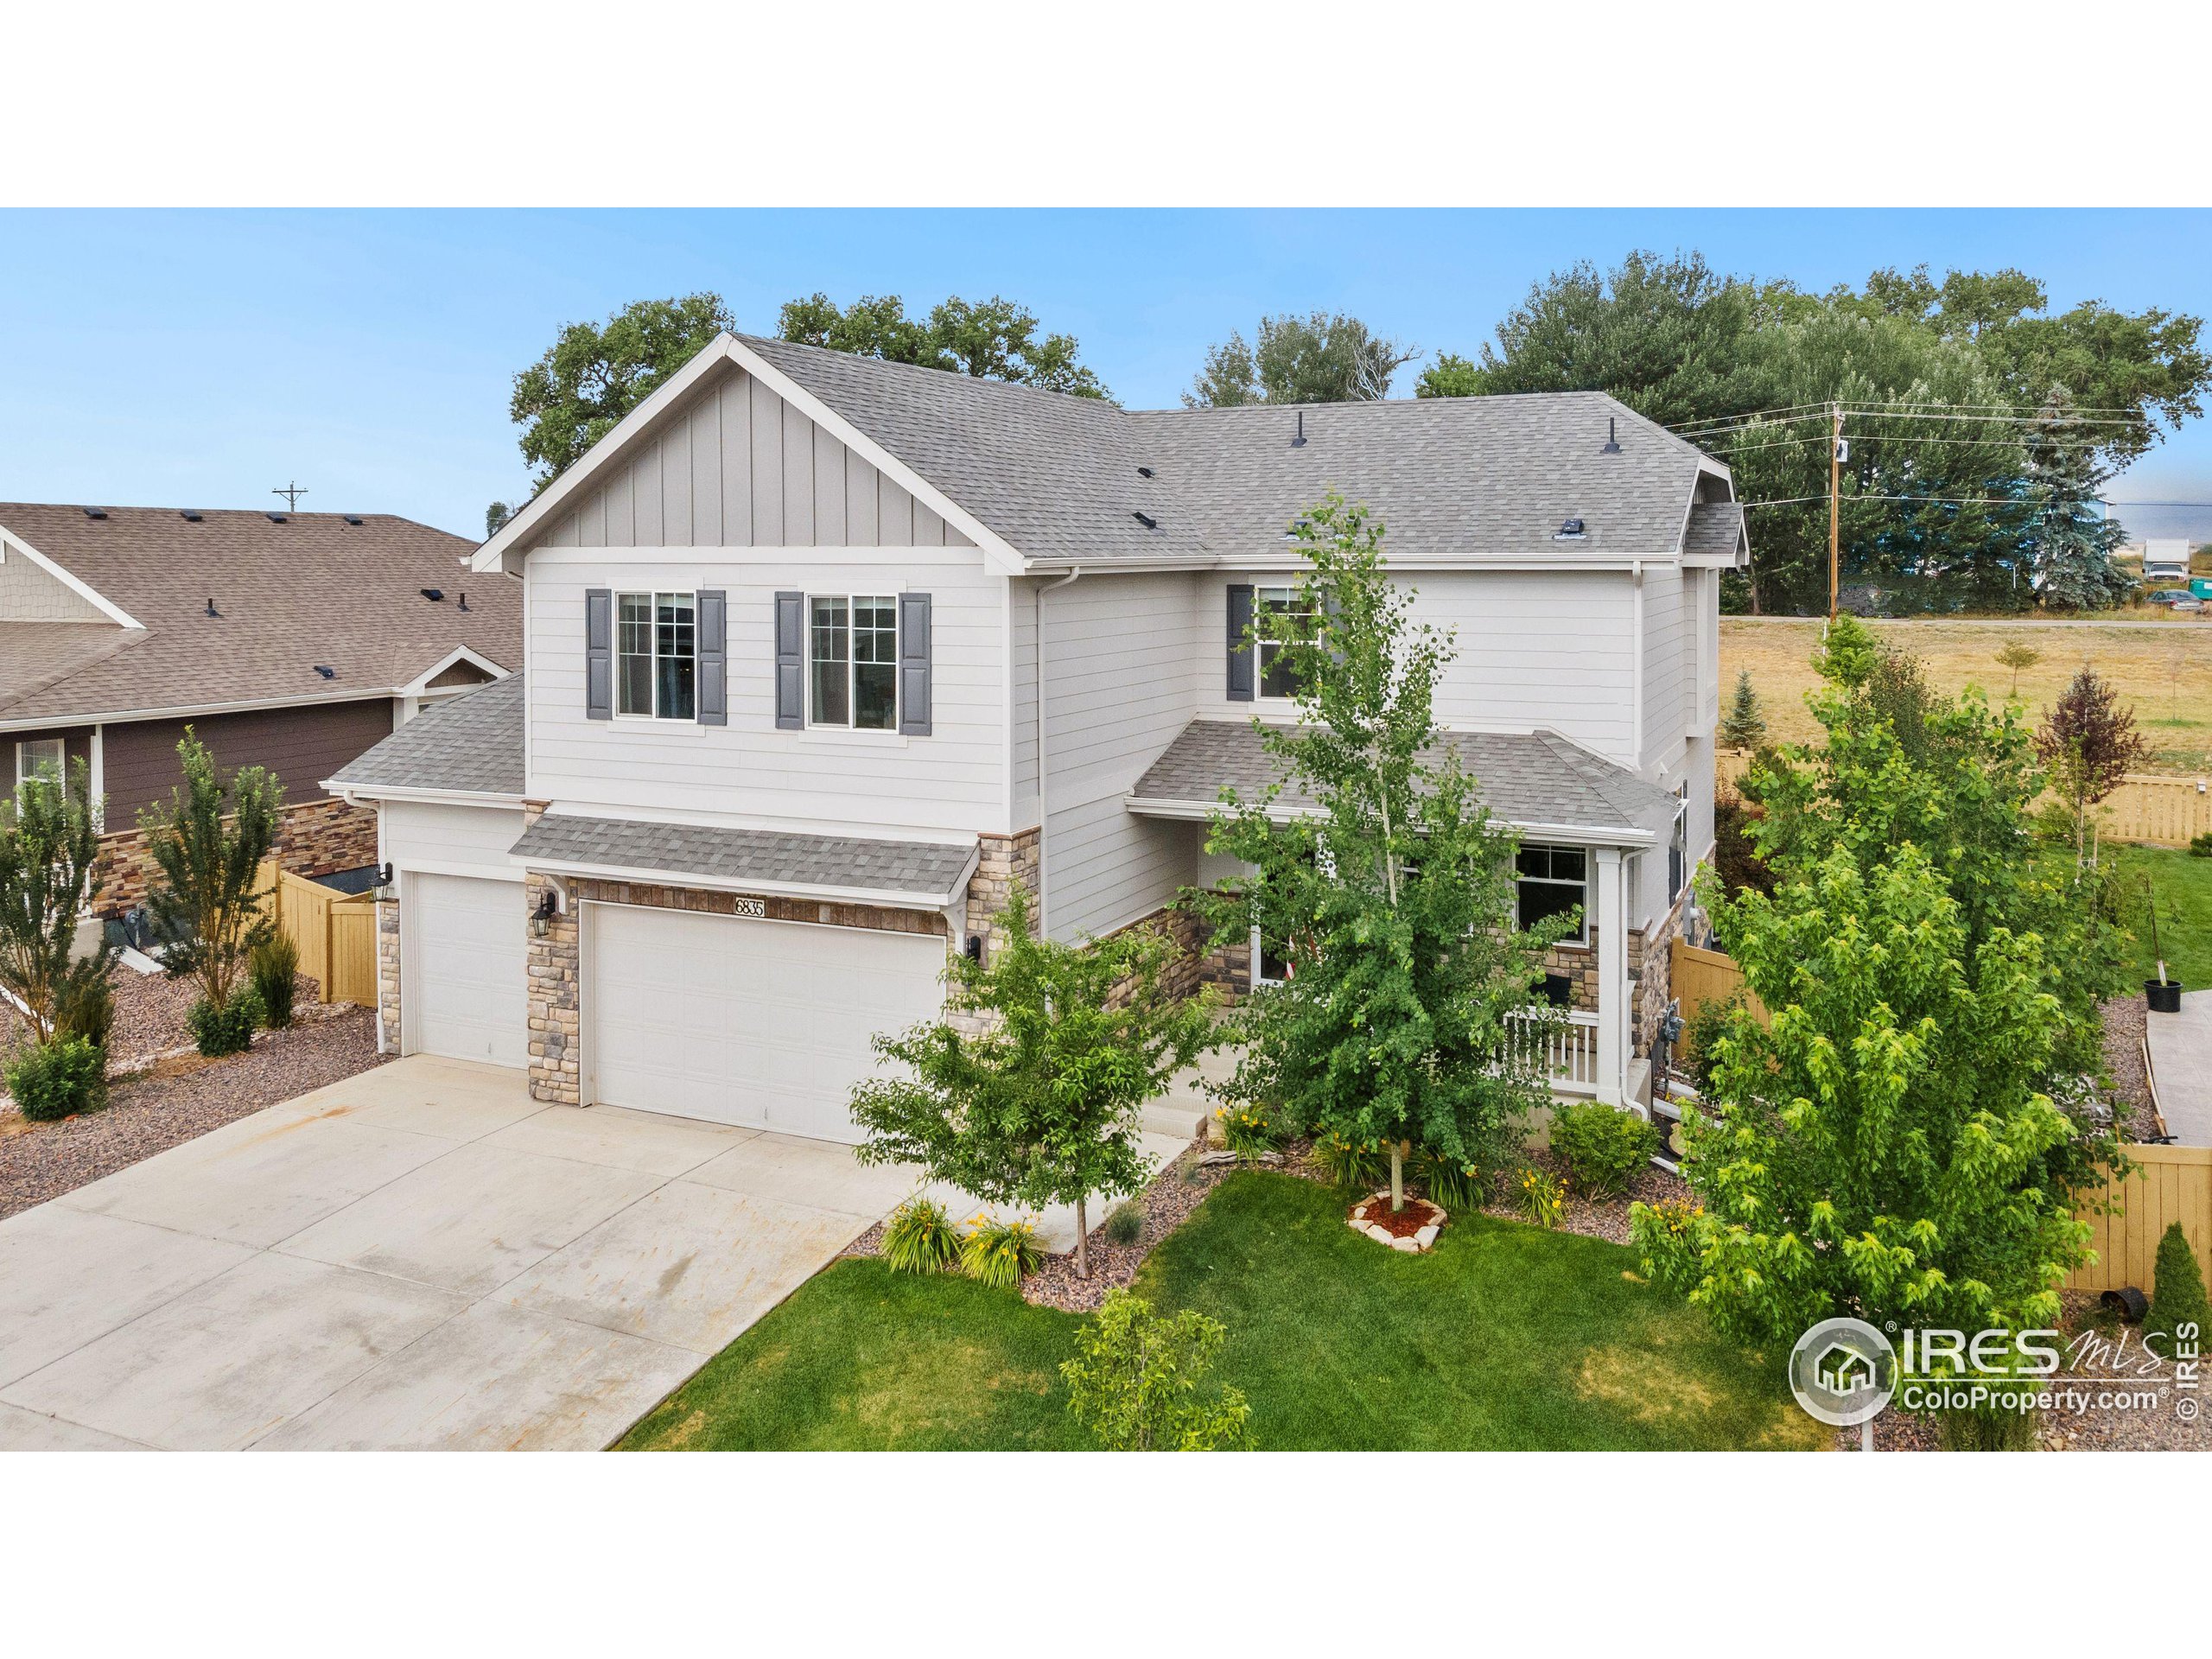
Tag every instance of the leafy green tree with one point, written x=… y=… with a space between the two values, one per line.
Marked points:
x=2016 y=654
x=1138 y=1380
x=49 y=876
x=2089 y=741
x=1886 y=1148
x=1669 y=337
x=208 y=844
x=989 y=340
x=495 y=517
x=1394 y=1025
x=595 y=373
x=1744 y=727
x=1846 y=653
x=1036 y=1100
x=1324 y=358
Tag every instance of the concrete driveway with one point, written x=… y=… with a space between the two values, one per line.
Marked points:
x=421 y=1256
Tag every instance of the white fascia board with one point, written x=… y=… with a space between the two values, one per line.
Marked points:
x=1583 y=834
x=84 y=590
x=420 y=685
x=888 y=897
x=352 y=794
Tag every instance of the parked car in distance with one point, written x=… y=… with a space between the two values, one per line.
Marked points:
x=2180 y=598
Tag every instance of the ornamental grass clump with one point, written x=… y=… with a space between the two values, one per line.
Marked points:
x=274 y=966
x=1350 y=1163
x=1456 y=1185
x=1001 y=1253
x=920 y=1239
x=1125 y=1221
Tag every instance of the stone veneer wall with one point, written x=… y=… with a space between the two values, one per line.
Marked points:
x=1651 y=973
x=313 y=838
x=387 y=977
x=1004 y=861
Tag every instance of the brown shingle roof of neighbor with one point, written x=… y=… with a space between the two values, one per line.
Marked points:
x=1531 y=778
x=312 y=589
x=933 y=871
x=1056 y=476
x=468 y=745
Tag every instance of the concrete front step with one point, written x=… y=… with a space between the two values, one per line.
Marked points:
x=1178 y=1115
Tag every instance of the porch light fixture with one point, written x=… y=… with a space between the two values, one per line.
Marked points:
x=973 y=950
x=549 y=907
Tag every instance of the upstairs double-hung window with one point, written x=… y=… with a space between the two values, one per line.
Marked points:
x=852 y=662
x=1277 y=677
x=656 y=650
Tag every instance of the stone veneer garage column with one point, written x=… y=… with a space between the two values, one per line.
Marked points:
x=555 y=960
x=387 y=977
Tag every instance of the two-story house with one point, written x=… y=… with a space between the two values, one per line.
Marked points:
x=823 y=651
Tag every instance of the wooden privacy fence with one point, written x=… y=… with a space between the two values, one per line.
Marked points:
x=2170 y=1184
x=334 y=932
x=1696 y=977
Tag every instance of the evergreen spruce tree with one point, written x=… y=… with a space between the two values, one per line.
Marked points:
x=1744 y=727
x=2070 y=540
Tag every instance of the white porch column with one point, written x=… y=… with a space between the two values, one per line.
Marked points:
x=1612 y=976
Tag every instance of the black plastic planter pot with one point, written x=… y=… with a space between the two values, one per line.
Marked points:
x=2162 y=995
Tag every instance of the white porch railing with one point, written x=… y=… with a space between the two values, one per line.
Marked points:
x=1567 y=1052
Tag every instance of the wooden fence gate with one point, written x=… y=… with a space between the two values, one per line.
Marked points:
x=1696 y=977
x=334 y=932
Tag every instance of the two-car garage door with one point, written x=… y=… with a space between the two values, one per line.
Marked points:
x=761 y=1023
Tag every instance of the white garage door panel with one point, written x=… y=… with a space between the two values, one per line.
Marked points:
x=766 y=1024
x=469 y=998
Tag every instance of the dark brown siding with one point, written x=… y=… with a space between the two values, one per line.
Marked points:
x=78 y=742
x=303 y=747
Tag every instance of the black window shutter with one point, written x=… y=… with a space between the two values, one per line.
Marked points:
x=714 y=658
x=914 y=664
x=598 y=653
x=790 y=662
x=1240 y=649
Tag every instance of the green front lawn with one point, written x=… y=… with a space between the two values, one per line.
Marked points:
x=1505 y=1336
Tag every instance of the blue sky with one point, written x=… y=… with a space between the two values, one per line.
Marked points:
x=174 y=358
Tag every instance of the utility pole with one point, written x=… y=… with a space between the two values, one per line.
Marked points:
x=1835 y=499
x=291 y=492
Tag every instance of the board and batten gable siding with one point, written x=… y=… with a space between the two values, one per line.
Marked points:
x=1530 y=650
x=451 y=840
x=1120 y=659
x=29 y=592
x=736 y=466
x=954 y=780
x=301 y=746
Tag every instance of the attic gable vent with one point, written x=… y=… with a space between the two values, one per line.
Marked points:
x=95 y=512
x=191 y=516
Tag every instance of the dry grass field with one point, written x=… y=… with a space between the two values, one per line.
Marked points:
x=2164 y=669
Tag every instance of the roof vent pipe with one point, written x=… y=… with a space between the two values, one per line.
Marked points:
x=211 y=611
x=1298 y=442
x=1612 y=442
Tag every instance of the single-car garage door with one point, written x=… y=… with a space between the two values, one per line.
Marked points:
x=466 y=993
x=766 y=1024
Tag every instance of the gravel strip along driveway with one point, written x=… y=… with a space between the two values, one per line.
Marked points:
x=177 y=1101
x=2124 y=1019
x=150 y=1010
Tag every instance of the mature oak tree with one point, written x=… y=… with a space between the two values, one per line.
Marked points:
x=1324 y=358
x=595 y=373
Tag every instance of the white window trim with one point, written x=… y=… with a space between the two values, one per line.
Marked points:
x=1581 y=937
x=23 y=773
x=1262 y=646
x=847 y=729
x=653 y=597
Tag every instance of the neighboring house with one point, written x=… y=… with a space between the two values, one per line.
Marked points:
x=289 y=640
x=2165 y=561
x=824 y=651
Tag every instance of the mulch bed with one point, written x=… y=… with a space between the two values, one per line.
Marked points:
x=2124 y=1017
x=179 y=1099
x=1402 y=1223
x=1605 y=1218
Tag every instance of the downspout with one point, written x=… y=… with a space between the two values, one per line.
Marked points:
x=1044 y=814
x=1636 y=576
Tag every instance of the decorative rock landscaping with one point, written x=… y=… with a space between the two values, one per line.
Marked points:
x=1412 y=1229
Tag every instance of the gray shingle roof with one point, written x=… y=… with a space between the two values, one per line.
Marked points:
x=1523 y=778
x=469 y=744
x=1716 y=530
x=1057 y=476
x=914 y=869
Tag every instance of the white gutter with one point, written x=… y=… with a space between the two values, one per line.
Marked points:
x=361 y=795
x=1044 y=812
x=188 y=711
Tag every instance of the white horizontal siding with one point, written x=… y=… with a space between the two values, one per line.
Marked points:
x=1530 y=650
x=954 y=780
x=457 y=840
x=1107 y=867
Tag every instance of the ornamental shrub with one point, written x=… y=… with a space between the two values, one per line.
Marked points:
x=1125 y=1221
x=58 y=1079
x=2201 y=846
x=1247 y=1131
x=1540 y=1198
x=274 y=966
x=1137 y=1381
x=2177 y=1298
x=222 y=1029
x=998 y=1253
x=1602 y=1149
x=919 y=1238
x=1458 y=1186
